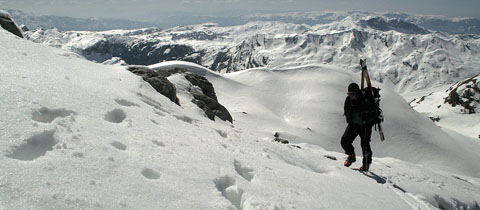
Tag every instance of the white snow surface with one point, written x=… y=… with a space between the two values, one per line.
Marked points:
x=80 y=135
x=195 y=68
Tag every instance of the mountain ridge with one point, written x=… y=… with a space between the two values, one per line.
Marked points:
x=451 y=25
x=405 y=55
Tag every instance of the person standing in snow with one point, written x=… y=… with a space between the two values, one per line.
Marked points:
x=356 y=112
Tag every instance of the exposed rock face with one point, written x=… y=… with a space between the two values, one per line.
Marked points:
x=466 y=94
x=383 y=24
x=206 y=99
x=8 y=24
x=157 y=81
x=141 y=52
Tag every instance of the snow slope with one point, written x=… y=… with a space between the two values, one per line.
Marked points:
x=305 y=104
x=79 y=135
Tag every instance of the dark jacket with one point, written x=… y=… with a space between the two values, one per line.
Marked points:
x=356 y=111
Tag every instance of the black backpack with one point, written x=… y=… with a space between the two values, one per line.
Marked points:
x=374 y=113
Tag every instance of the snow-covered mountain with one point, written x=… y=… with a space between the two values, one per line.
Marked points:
x=79 y=135
x=457 y=25
x=451 y=25
x=400 y=53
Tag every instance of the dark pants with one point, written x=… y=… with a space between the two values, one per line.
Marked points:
x=365 y=132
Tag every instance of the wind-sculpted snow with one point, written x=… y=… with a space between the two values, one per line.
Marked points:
x=105 y=139
x=397 y=52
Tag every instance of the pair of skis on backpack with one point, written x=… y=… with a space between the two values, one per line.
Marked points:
x=372 y=91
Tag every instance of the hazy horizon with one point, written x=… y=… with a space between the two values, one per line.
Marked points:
x=150 y=10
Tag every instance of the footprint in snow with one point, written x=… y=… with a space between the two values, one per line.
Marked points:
x=158 y=143
x=47 y=115
x=119 y=145
x=222 y=133
x=186 y=119
x=34 y=147
x=243 y=171
x=226 y=185
x=124 y=102
x=115 y=116
x=150 y=173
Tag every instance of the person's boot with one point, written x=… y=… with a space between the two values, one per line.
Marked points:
x=364 y=168
x=351 y=159
x=366 y=164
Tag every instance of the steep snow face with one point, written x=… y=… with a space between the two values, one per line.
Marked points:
x=399 y=53
x=79 y=135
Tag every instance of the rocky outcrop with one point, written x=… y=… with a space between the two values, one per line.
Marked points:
x=204 y=96
x=8 y=24
x=383 y=24
x=157 y=81
x=141 y=52
x=206 y=99
x=466 y=94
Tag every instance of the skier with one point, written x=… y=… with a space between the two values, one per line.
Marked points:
x=356 y=112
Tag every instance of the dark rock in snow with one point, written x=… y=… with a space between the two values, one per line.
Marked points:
x=466 y=94
x=382 y=24
x=157 y=81
x=278 y=139
x=8 y=24
x=206 y=99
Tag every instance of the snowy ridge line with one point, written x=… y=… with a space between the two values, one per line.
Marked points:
x=452 y=25
x=397 y=54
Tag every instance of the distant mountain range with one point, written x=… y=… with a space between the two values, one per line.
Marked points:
x=407 y=55
x=435 y=23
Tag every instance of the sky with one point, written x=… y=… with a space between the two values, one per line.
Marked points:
x=150 y=10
